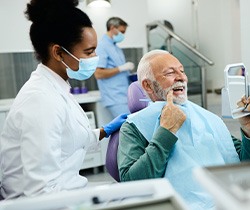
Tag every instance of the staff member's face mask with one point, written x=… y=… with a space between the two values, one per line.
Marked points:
x=87 y=67
x=118 y=37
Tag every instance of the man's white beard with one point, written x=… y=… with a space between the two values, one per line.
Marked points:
x=162 y=93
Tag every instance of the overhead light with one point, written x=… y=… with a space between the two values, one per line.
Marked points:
x=98 y=3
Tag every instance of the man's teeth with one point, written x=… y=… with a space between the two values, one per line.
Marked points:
x=178 y=88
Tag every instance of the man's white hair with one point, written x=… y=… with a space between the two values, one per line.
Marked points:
x=144 y=70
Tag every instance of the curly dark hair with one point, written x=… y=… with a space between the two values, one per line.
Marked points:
x=55 y=22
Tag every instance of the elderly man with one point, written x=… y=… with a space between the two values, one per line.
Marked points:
x=172 y=136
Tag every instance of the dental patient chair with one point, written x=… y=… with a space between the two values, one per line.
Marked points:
x=137 y=100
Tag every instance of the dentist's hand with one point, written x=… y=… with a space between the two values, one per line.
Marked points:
x=172 y=117
x=115 y=124
x=129 y=66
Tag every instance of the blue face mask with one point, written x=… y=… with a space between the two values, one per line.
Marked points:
x=87 y=67
x=118 y=37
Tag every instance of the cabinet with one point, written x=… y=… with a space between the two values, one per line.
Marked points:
x=93 y=156
x=96 y=157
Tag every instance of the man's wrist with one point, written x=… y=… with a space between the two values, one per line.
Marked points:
x=245 y=133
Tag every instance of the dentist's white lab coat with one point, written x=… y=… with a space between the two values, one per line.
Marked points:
x=44 y=139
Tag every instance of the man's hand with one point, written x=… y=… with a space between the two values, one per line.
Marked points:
x=244 y=102
x=245 y=125
x=172 y=117
x=245 y=121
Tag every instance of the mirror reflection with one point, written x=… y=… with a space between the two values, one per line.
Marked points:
x=236 y=71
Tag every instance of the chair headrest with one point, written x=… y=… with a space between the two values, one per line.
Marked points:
x=137 y=99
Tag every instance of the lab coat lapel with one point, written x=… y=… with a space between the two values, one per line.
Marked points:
x=79 y=113
x=66 y=95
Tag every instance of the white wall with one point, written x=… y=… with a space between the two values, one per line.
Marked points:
x=219 y=36
x=134 y=12
x=14 y=35
x=221 y=27
x=245 y=32
x=177 y=12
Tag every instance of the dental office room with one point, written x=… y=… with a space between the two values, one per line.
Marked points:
x=183 y=144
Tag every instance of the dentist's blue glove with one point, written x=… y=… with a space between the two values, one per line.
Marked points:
x=115 y=124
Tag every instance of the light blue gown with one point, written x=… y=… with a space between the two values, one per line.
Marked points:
x=114 y=89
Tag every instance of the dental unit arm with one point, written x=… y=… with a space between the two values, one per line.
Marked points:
x=236 y=86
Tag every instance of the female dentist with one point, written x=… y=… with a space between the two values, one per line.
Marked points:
x=46 y=133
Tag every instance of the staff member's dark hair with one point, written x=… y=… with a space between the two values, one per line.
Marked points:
x=55 y=22
x=115 y=21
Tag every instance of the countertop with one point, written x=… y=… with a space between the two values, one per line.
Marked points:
x=89 y=97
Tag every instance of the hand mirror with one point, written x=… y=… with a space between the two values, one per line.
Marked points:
x=236 y=86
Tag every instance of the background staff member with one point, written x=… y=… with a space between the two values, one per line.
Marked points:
x=113 y=70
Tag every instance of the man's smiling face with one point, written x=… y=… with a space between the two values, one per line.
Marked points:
x=169 y=75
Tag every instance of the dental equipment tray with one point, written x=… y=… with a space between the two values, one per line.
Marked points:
x=228 y=184
x=150 y=194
